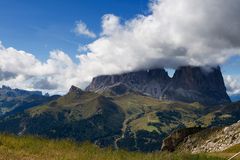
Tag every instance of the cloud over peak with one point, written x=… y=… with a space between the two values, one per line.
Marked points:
x=175 y=33
x=178 y=32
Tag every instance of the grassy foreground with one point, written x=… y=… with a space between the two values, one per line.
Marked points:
x=33 y=148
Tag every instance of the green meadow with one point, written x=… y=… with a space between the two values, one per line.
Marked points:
x=35 y=148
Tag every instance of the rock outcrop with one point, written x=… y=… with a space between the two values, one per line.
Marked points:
x=212 y=139
x=189 y=84
x=172 y=141
x=75 y=90
x=151 y=82
x=196 y=84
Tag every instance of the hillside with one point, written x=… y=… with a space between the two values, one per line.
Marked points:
x=211 y=140
x=221 y=115
x=79 y=115
x=148 y=120
x=25 y=148
x=130 y=121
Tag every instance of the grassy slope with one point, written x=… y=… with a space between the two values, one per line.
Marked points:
x=79 y=106
x=88 y=102
x=78 y=115
x=229 y=152
x=141 y=112
x=26 y=148
x=226 y=115
x=147 y=108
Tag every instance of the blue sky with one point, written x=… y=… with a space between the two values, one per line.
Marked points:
x=41 y=26
x=127 y=41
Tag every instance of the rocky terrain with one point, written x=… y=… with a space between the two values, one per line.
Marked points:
x=189 y=84
x=174 y=139
x=212 y=139
x=151 y=82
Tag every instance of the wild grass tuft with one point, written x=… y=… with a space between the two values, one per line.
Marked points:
x=35 y=148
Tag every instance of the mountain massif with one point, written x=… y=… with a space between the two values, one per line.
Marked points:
x=188 y=84
x=151 y=82
x=136 y=111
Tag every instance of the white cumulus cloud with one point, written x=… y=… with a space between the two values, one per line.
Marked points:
x=177 y=32
x=82 y=29
x=23 y=70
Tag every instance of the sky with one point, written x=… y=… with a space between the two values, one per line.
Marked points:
x=38 y=27
x=50 y=45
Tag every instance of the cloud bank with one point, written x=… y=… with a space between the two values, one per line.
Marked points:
x=175 y=33
x=22 y=70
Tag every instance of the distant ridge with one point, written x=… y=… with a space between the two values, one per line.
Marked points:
x=16 y=100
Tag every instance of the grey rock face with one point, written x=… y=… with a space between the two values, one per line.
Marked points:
x=150 y=82
x=189 y=84
x=75 y=89
x=194 y=84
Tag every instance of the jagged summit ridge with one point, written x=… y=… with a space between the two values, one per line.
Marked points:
x=195 y=84
x=189 y=84
x=150 y=82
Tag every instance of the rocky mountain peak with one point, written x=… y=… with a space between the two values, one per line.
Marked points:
x=189 y=77
x=75 y=89
x=138 y=77
x=198 y=84
x=189 y=84
x=150 y=82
